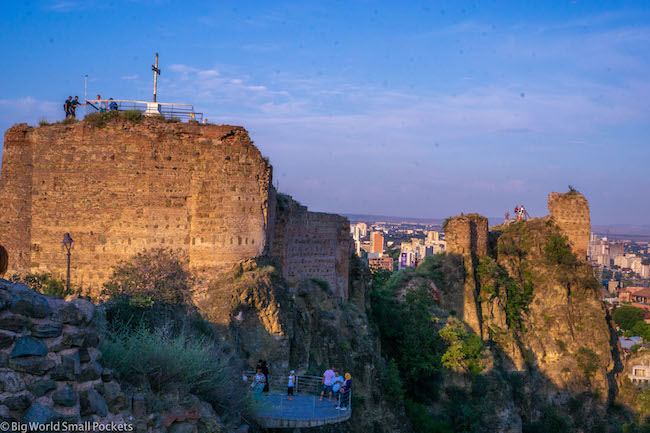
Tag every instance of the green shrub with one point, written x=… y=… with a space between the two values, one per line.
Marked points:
x=98 y=120
x=163 y=361
x=153 y=276
x=588 y=362
x=172 y=120
x=322 y=283
x=69 y=121
x=133 y=116
x=423 y=421
x=43 y=122
x=46 y=283
x=392 y=383
x=558 y=251
x=464 y=350
x=626 y=316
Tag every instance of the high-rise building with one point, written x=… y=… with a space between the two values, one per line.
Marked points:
x=433 y=236
x=363 y=229
x=377 y=242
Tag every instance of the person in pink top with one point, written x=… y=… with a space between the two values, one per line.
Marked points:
x=328 y=381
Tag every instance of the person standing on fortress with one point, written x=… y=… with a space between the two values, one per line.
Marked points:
x=112 y=105
x=516 y=213
x=291 y=385
x=506 y=218
x=328 y=380
x=73 y=107
x=4 y=260
x=101 y=106
x=66 y=106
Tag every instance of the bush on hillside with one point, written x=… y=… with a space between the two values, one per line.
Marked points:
x=464 y=352
x=162 y=361
x=154 y=276
x=626 y=316
x=45 y=283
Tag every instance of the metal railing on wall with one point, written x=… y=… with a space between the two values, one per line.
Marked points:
x=165 y=109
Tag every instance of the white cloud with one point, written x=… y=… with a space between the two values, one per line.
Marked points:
x=130 y=77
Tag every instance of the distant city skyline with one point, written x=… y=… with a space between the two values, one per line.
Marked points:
x=424 y=110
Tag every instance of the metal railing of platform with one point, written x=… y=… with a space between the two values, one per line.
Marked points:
x=167 y=110
x=305 y=386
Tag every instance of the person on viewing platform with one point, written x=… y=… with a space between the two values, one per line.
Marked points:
x=261 y=364
x=337 y=383
x=506 y=218
x=345 y=392
x=66 y=106
x=4 y=260
x=328 y=380
x=73 y=107
x=101 y=106
x=259 y=381
x=112 y=105
x=291 y=385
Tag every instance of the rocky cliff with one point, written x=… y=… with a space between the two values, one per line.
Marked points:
x=305 y=326
x=530 y=294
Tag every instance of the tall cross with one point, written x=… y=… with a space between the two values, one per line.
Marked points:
x=156 y=72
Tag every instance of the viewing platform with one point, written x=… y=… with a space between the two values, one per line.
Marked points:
x=274 y=410
x=168 y=110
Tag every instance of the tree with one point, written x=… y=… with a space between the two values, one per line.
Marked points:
x=150 y=277
x=626 y=317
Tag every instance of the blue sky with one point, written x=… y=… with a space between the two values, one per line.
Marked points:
x=422 y=109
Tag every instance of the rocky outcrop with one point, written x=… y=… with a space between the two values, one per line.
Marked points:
x=529 y=292
x=50 y=365
x=306 y=327
x=51 y=370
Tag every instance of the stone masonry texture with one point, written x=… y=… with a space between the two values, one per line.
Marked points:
x=467 y=236
x=120 y=189
x=312 y=245
x=570 y=211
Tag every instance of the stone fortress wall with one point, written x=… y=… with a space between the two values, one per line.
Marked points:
x=124 y=188
x=467 y=236
x=570 y=211
x=312 y=245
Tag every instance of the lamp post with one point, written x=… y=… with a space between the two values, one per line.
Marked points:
x=239 y=318
x=67 y=243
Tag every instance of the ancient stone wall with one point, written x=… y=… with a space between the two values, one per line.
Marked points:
x=312 y=245
x=467 y=236
x=124 y=188
x=570 y=211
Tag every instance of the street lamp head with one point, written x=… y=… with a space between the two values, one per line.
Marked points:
x=67 y=241
x=240 y=317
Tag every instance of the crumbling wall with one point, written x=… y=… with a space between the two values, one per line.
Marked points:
x=570 y=211
x=312 y=245
x=123 y=188
x=467 y=236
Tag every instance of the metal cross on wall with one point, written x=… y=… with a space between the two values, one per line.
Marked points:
x=156 y=72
